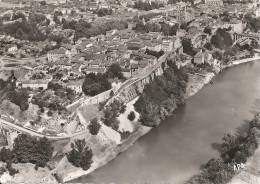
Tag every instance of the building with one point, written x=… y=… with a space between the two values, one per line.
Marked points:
x=34 y=84
x=12 y=49
x=167 y=45
x=134 y=44
x=199 y=58
x=75 y=86
x=56 y=55
x=183 y=15
x=95 y=70
x=257 y=10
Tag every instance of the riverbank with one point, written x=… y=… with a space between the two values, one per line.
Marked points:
x=251 y=173
x=241 y=61
x=113 y=150
x=196 y=83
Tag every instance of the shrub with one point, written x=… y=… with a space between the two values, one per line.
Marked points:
x=80 y=155
x=131 y=116
x=10 y=169
x=111 y=112
x=124 y=134
x=49 y=113
x=94 y=126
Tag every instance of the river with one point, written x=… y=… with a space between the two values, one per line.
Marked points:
x=174 y=151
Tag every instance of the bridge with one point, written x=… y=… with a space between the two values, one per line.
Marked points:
x=240 y=38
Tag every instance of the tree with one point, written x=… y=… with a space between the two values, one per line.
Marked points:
x=187 y=47
x=111 y=112
x=19 y=97
x=10 y=169
x=222 y=39
x=154 y=53
x=43 y=3
x=115 y=71
x=27 y=149
x=207 y=30
x=131 y=116
x=95 y=83
x=6 y=155
x=94 y=126
x=80 y=155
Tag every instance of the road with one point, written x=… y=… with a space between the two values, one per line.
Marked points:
x=31 y=132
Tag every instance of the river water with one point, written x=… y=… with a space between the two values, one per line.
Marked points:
x=174 y=151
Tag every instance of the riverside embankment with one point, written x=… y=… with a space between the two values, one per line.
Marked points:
x=177 y=148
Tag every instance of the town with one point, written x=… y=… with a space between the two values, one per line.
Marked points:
x=79 y=78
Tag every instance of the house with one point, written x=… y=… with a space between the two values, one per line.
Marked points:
x=199 y=58
x=75 y=86
x=55 y=55
x=92 y=5
x=167 y=45
x=236 y=25
x=34 y=84
x=177 y=45
x=209 y=58
x=12 y=49
x=134 y=44
x=95 y=70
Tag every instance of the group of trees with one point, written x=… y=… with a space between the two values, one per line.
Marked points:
x=19 y=97
x=48 y=99
x=103 y=12
x=80 y=155
x=62 y=91
x=25 y=29
x=187 y=47
x=143 y=5
x=85 y=29
x=8 y=91
x=111 y=112
x=97 y=83
x=252 y=23
x=222 y=39
x=234 y=149
x=162 y=95
x=154 y=53
x=225 y=17
x=27 y=149
x=166 y=29
x=54 y=97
